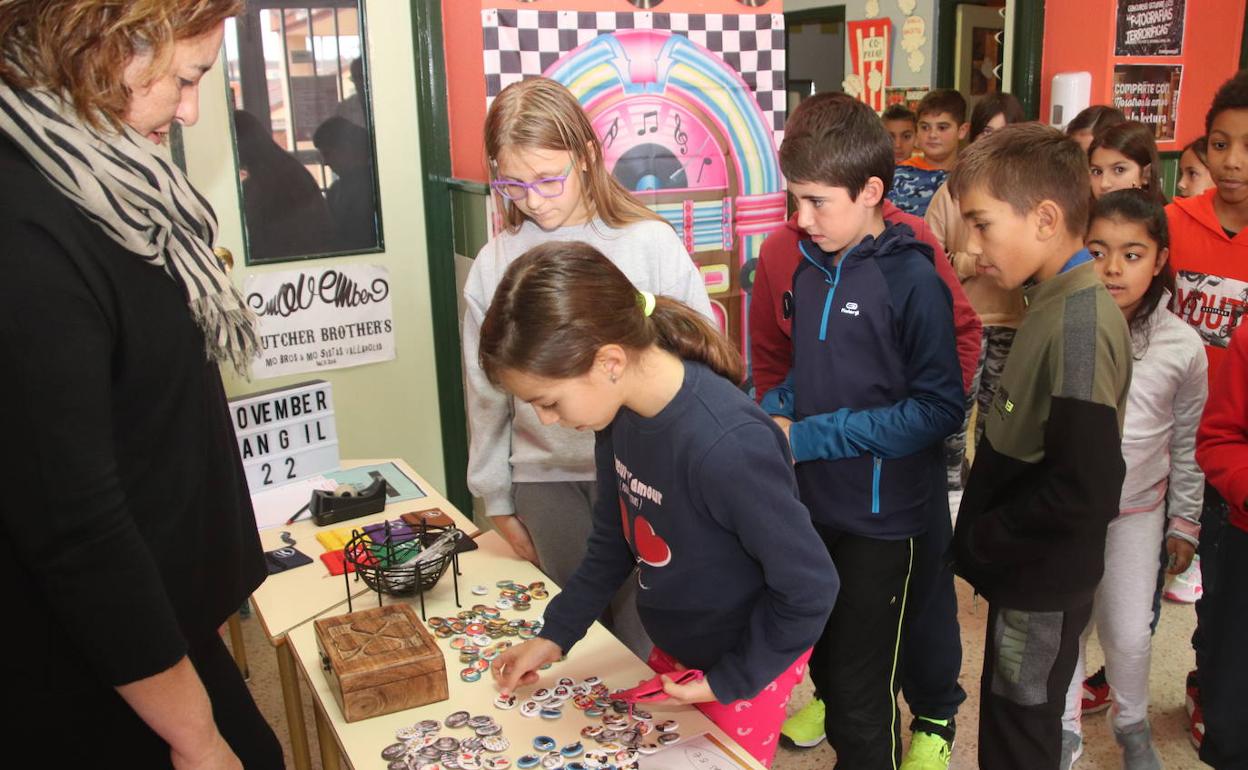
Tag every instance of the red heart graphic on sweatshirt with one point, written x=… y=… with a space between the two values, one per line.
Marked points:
x=651 y=548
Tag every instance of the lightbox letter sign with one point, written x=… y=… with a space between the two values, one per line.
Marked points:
x=286 y=434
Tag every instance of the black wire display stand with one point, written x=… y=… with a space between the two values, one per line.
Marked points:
x=390 y=567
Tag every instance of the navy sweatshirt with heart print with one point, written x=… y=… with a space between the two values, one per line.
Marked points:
x=702 y=499
x=875 y=385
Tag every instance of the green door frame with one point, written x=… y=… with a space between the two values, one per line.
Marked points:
x=1028 y=37
x=435 y=163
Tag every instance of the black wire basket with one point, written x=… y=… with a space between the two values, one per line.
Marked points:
x=393 y=563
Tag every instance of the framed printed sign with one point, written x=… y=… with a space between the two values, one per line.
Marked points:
x=286 y=434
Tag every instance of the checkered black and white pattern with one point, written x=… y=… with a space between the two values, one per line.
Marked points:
x=524 y=43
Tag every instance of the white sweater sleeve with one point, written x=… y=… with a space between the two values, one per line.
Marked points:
x=489 y=409
x=681 y=278
x=1187 y=481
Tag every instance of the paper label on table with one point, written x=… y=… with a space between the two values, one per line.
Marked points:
x=275 y=506
x=705 y=752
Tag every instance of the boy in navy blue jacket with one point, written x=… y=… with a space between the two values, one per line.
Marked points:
x=874 y=389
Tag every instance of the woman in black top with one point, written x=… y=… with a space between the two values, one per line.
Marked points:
x=127 y=532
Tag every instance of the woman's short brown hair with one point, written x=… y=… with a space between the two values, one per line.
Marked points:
x=80 y=48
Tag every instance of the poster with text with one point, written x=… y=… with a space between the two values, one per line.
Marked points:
x=907 y=96
x=1149 y=93
x=321 y=318
x=1150 y=28
x=869 y=49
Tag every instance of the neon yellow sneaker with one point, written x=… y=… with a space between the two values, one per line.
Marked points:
x=804 y=730
x=931 y=744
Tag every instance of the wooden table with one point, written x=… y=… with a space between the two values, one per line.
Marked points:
x=290 y=599
x=599 y=653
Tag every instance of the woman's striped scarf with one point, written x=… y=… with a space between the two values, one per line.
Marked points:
x=132 y=190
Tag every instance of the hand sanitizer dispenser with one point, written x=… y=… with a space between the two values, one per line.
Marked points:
x=1071 y=93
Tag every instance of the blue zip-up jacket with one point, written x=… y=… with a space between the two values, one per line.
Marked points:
x=875 y=385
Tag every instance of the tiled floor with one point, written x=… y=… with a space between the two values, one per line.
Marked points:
x=1171 y=661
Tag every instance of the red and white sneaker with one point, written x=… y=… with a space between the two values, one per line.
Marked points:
x=1095 y=693
x=1186 y=587
x=1196 y=715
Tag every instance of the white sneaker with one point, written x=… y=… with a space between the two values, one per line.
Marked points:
x=1138 y=752
x=1186 y=587
x=1072 y=749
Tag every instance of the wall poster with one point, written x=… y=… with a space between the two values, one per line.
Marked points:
x=1149 y=93
x=321 y=318
x=870 y=45
x=1150 y=28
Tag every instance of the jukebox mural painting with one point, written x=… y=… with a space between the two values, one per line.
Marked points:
x=690 y=130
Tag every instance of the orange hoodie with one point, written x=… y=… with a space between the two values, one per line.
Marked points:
x=1211 y=273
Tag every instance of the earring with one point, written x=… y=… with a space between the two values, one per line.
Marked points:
x=614 y=378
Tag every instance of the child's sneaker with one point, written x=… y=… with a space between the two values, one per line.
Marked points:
x=1072 y=749
x=931 y=744
x=1192 y=687
x=1138 y=752
x=1186 y=587
x=1095 y=693
x=805 y=730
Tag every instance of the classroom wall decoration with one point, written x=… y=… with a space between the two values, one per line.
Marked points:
x=321 y=318
x=1150 y=28
x=870 y=45
x=690 y=111
x=1149 y=93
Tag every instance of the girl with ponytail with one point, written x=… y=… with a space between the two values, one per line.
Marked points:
x=536 y=482
x=696 y=488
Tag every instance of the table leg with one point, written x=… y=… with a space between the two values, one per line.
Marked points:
x=325 y=736
x=236 y=645
x=294 y=705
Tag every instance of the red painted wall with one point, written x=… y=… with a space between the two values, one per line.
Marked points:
x=465 y=87
x=1079 y=35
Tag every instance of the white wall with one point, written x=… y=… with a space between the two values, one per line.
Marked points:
x=382 y=410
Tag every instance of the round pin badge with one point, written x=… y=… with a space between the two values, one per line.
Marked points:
x=527 y=761
x=393 y=751
x=480 y=590
x=496 y=763
x=552 y=762
x=495 y=743
x=549 y=713
x=456 y=719
x=572 y=750
x=530 y=708
x=505 y=702
x=668 y=739
x=544 y=743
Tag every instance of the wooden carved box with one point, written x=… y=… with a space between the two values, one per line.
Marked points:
x=380 y=660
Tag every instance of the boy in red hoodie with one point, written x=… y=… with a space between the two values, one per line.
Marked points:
x=932 y=652
x=1209 y=252
x=1222 y=451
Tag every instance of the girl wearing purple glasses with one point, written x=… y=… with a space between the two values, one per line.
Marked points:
x=537 y=481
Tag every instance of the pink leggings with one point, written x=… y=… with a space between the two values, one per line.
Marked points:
x=754 y=723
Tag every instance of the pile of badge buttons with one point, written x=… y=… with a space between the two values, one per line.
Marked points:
x=481 y=634
x=622 y=738
x=422 y=747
